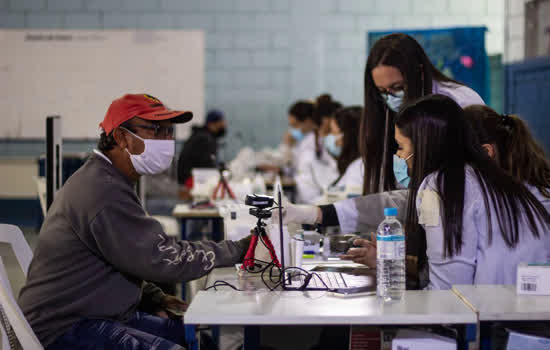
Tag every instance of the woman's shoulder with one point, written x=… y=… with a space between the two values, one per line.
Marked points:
x=470 y=179
x=307 y=142
x=356 y=164
x=462 y=94
x=353 y=175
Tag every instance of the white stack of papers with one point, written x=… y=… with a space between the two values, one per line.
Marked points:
x=410 y=339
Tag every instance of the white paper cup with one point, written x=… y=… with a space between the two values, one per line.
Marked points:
x=297 y=252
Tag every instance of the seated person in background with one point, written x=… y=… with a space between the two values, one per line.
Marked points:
x=479 y=222
x=315 y=168
x=323 y=111
x=300 y=131
x=200 y=150
x=507 y=140
x=97 y=245
x=293 y=144
x=342 y=143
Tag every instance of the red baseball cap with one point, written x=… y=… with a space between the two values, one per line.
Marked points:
x=142 y=106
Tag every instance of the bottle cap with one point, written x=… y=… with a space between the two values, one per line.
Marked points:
x=390 y=211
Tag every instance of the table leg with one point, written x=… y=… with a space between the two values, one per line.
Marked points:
x=217 y=229
x=485 y=336
x=251 y=338
x=469 y=333
x=216 y=335
x=191 y=337
x=183 y=228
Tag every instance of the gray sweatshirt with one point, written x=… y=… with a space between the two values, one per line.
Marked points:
x=97 y=246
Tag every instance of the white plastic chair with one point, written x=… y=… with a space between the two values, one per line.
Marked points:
x=12 y=234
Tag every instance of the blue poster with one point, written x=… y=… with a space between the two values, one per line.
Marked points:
x=457 y=52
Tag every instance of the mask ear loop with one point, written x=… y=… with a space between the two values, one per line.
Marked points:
x=133 y=134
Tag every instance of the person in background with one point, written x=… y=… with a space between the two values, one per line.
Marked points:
x=343 y=144
x=200 y=150
x=508 y=141
x=86 y=282
x=323 y=111
x=316 y=169
x=479 y=220
x=301 y=129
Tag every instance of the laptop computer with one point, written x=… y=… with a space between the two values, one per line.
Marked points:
x=336 y=279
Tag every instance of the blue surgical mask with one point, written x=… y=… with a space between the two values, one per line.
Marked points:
x=400 y=170
x=329 y=142
x=394 y=101
x=297 y=134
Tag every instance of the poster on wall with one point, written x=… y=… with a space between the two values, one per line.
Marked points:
x=457 y=52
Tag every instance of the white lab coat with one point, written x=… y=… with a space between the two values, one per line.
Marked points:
x=363 y=214
x=350 y=184
x=312 y=174
x=353 y=176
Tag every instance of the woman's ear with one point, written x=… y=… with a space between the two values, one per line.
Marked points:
x=490 y=149
x=120 y=138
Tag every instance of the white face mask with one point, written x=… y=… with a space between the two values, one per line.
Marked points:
x=156 y=157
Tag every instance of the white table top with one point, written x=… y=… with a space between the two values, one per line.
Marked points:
x=263 y=307
x=501 y=303
x=185 y=211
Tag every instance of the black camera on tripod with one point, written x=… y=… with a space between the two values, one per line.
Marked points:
x=261 y=204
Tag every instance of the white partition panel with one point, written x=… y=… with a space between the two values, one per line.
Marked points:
x=77 y=73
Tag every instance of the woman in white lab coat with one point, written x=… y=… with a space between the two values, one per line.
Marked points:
x=301 y=131
x=479 y=221
x=315 y=167
x=507 y=140
x=342 y=143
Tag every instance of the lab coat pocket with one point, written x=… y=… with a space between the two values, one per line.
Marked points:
x=429 y=211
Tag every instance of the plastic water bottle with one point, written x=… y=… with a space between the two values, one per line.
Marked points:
x=390 y=257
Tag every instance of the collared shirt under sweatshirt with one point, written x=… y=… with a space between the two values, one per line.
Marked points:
x=97 y=246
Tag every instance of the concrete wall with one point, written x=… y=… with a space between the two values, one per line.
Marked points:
x=263 y=54
x=514 y=34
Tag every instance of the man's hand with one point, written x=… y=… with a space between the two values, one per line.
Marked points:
x=172 y=307
x=364 y=253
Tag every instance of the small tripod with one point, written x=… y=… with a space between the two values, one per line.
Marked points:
x=222 y=186
x=259 y=234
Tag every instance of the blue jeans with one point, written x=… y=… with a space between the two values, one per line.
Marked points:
x=143 y=331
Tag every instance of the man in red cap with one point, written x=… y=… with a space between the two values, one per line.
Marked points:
x=97 y=245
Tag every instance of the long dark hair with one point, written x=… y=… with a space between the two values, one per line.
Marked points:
x=405 y=54
x=516 y=150
x=444 y=143
x=348 y=120
x=324 y=107
x=301 y=110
